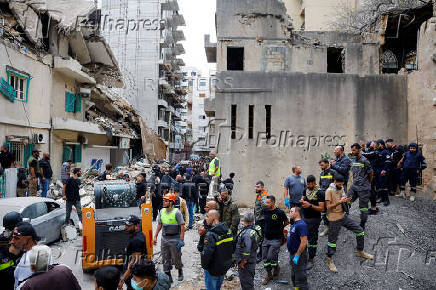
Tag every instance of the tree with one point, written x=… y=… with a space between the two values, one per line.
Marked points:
x=357 y=20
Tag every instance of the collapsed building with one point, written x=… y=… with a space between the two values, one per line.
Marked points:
x=56 y=78
x=282 y=97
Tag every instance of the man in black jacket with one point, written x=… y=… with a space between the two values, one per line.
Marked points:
x=202 y=189
x=189 y=193
x=216 y=258
x=341 y=164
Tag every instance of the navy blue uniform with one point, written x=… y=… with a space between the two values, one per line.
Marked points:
x=412 y=163
x=299 y=270
x=382 y=164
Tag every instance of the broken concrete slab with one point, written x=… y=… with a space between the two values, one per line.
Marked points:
x=68 y=233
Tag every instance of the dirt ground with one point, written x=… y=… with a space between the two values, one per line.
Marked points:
x=402 y=238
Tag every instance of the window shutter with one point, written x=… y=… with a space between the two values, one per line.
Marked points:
x=78 y=100
x=27 y=153
x=77 y=153
x=67 y=154
x=8 y=144
x=7 y=90
x=69 y=102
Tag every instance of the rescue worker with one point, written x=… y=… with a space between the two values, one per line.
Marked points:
x=297 y=247
x=170 y=221
x=202 y=230
x=228 y=211
x=335 y=198
x=382 y=167
x=216 y=257
x=34 y=172
x=180 y=204
x=341 y=164
x=325 y=179
x=395 y=172
x=8 y=259
x=313 y=204
x=371 y=155
x=136 y=247
x=412 y=164
x=189 y=193
x=214 y=172
x=247 y=242
x=275 y=221
x=259 y=206
x=362 y=178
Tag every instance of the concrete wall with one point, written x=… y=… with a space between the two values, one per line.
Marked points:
x=422 y=104
x=60 y=85
x=318 y=14
x=311 y=114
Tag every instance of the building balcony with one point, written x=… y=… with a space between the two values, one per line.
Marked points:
x=162 y=123
x=69 y=124
x=179 y=62
x=73 y=69
x=162 y=103
x=210 y=49
x=164 y=82
x=180 y=49
x=178 y=35
x=169 y=5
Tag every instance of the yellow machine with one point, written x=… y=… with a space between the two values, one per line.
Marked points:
x=104 y=237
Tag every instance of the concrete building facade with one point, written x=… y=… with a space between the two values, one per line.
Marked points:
x=284 y=97
x=146 y=45
x=198 y=91
x=54 y=94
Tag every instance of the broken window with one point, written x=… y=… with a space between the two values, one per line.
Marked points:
x=235 y=58
x=268 y=121
x=233 y=122
x=20 y=82
x=401 y=37
x=334 y=60
x=250 y=121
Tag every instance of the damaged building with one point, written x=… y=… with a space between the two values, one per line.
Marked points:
x=55 y=75
x=284 y=96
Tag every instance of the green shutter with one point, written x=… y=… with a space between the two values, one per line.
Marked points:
x=67 y=153
x=69 y=102
x=78 y=101
x=27 y=153
x=77 y=153
x=7 y=90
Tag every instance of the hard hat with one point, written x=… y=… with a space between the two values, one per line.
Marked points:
x=170 y=196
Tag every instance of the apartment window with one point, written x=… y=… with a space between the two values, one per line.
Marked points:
x=191 y=83
x=73 y=153
x=73 y=103
x=334 y=60
x=202 y=117
x=20 y=83
x=193 y=73
x=250 y=121
x=233 y=121
x=185 y=74
x=202 y=84
x=17 y=149
x=235 y=58
x=268 y=121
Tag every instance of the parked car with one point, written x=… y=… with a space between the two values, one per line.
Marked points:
x=46 y=215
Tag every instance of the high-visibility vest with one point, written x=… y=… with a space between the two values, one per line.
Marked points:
x=168 y=218
x=212 y=168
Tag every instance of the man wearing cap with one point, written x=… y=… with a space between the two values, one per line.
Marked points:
x=24 y=238
x=394 y=177
x=170 y=221
x=136 y=247
x=412 y=164
x=8 y=259
x=34 y=172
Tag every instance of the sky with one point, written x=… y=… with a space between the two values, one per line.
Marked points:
x=200 y=20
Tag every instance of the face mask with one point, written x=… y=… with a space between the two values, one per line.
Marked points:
x=135 y=285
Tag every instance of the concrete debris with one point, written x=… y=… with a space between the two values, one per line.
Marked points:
x=68 y=233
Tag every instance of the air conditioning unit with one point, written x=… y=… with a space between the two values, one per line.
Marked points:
x=82 y=140
x=40 y=138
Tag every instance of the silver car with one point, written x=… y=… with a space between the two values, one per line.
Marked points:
x=46 y=215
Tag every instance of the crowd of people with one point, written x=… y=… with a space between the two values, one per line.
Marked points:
x=372 y=173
